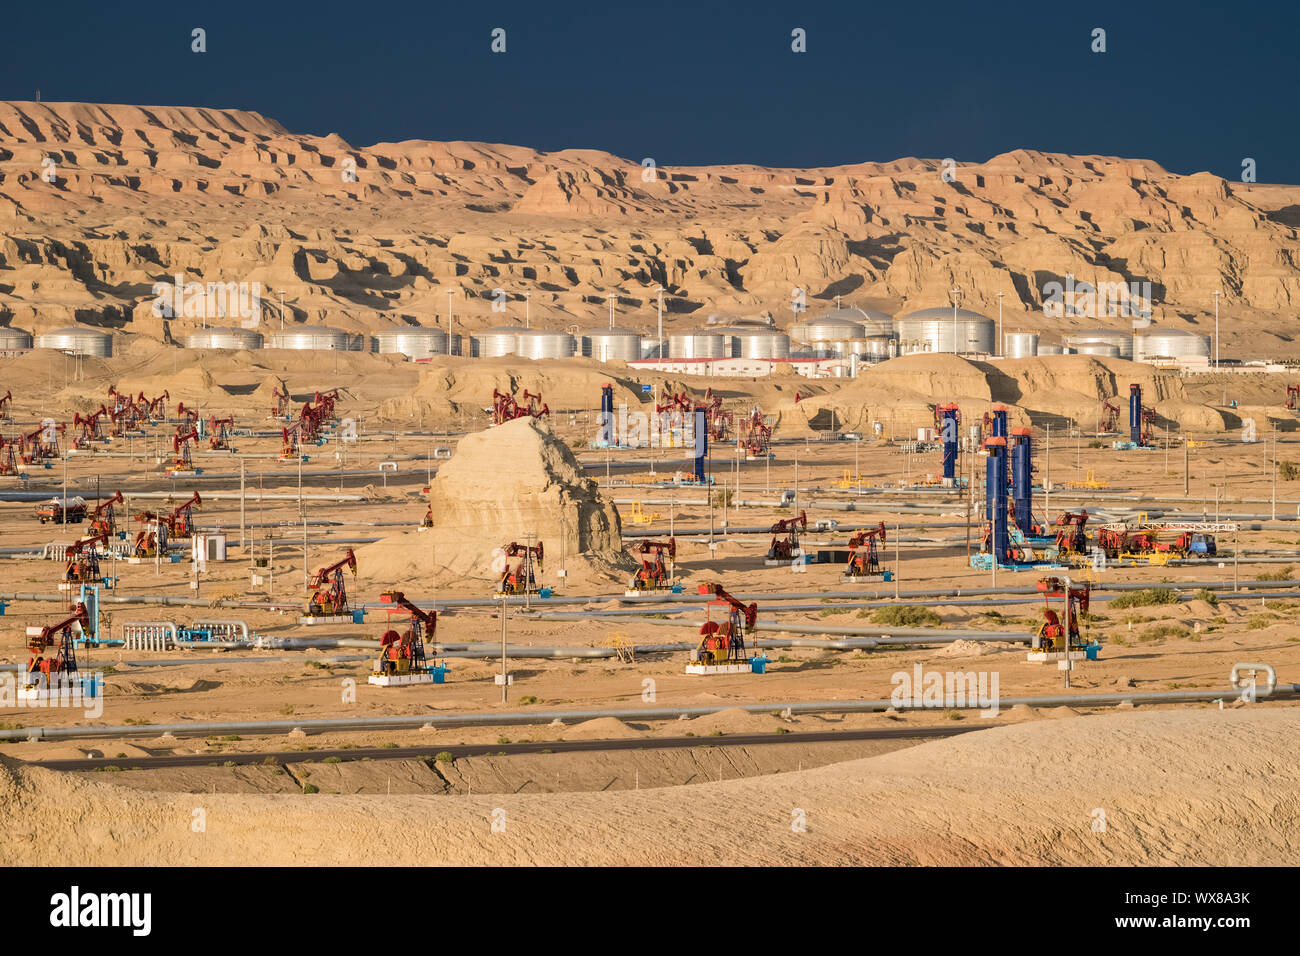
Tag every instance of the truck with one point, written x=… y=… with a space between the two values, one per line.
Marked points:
x=62 y=510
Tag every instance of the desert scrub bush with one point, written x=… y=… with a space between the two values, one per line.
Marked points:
x=444 y=756
x=1288 y=471
x=1208 y=596
x=332 y=760
x=1147 y=597
x=1162 y=631
x=1258 y=622
x=899 y=615
x=1283 y=575
x=310 y=788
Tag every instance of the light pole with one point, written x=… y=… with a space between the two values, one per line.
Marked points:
x=450 y=293
x=956 y=294
x=612 y=296
x=281 y=310
x=661 y=322
x=1217 y=293
x=528 y=310
x=1002 y=344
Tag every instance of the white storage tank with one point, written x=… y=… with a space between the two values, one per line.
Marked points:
x=1050 y=348
x=754 y=341
x=224 y=337
x=932 y=330
x=540 y=344
x=1020 y=345
x=612 y=345
x=1154 y=344
x=829 y=333
x=493 y=343
x=413 y=341
x=1120 y=338
x=1101 y=349
x=77 y=340
x=698 y=345
x=308 y=338
x=12 y=339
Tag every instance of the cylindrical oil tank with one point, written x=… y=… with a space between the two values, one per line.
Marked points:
x=77 y=340
x=413 y=341
x=541 y=344
x=455 y=343
x=12 y=338
x=1050 y=348
x=224 y=337
x=698 y=345
x=1103 y=349
x=493 y=343
x=932 y=330
x=1171 y=344
x=315 y=338
x=876 y=348
x=754 y=341
x=819 y=332
x=1120 y=338
x=612 y=345
x=1020 y=345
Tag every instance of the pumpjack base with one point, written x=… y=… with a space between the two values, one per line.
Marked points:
x=434 y=676
x=719 y=669
x=638 y=592
x=866 y=578
x=1038 y=657
x=326 y=619
x=184 y=472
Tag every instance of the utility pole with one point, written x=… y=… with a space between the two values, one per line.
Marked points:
x=306 y=581
x=956 y=295
x=1217 y=293
x=505 y=673
x=242 y=463
x=898 y=561
x=660 y=329
x=1002 y=342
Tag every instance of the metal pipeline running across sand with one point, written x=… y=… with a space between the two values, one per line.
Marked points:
x=323 y=725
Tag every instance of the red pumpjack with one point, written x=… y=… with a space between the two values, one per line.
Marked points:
x=654 y=573
x=523 y=564
x=783 y=549
x=41 y=669
x=863 y=560
x=724 y=642
x=329 y=597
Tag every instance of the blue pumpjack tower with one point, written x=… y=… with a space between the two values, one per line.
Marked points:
x=1022 y=479
x=996 y=498
x=607 y=420
x=701 y=442
x=1135 y=414
x=999 y=421
x=949 y=426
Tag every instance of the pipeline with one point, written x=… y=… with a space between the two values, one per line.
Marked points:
x=397 y=721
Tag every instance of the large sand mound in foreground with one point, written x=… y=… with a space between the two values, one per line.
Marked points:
x=1203 y=787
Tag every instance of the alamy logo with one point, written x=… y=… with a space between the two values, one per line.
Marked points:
x=213 y=300
x=1106 y=300
x=946 y=690
x=669 y=429
x=74 y=908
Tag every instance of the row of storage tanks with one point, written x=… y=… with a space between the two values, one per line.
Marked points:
x=873 y=336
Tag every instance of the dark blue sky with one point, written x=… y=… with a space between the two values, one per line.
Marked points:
x=1192 y=87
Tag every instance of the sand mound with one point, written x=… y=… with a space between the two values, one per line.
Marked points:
x=602 y=728
x=963 y=648
x=503 y=485
x=1194 y=787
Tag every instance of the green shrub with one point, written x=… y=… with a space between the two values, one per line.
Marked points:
x=1282 y=575
x=332 y=760
x=1147 y=597
x=1208 y=596
x=900 y=615
x=310 y=788
x=1288 y=471
x=444 y=756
